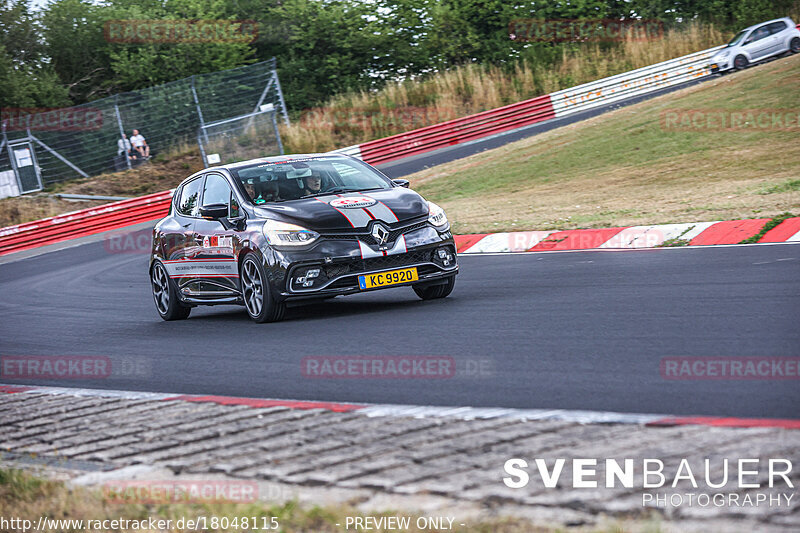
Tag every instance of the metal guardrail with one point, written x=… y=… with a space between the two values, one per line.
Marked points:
x=457 y=131
x=558 y=104
x=85 y=222
x=634 y=83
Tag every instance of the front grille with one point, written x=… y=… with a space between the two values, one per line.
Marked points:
x=356 y=266
x=369 y=239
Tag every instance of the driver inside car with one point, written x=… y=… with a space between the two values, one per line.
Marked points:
x=313 y=185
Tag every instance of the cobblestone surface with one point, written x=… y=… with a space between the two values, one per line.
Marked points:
x=425 y=460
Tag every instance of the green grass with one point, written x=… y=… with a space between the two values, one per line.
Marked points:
x=790 y=185
x=626 y=168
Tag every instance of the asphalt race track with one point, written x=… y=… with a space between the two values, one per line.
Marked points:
x=577 y=330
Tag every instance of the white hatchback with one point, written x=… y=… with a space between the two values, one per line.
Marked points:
x=757 y=43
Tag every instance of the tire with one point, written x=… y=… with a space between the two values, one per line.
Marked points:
x=794 y=45
x=165 y=295
x=740 y=62
x=436 y=291
x=258 y=301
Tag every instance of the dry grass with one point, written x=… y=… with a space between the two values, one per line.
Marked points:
x=354 y=118
x=28 y=497
x=622 y=168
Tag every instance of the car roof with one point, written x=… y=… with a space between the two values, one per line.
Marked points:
x=784 y=19
x=278 y=159
x=261 y=160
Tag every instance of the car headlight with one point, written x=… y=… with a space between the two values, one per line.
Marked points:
x=720 y=56
x=283 y=234
x=436 y=215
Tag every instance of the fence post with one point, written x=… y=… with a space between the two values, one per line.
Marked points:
x=202 y=151
x=199 y=111
x=121 y=131
x=280 y=96
x=277 y=133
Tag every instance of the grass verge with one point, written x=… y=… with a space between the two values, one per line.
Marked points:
x=627 y=168
x=353 y=118
x=26 y=496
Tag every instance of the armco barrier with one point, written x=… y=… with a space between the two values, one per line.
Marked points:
x=457 y=131
x=562 y=103
x=634 y=83
x=85 y=222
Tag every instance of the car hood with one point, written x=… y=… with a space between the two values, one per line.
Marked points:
x=348 y=211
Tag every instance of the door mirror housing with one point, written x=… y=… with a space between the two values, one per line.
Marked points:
x=214 y=211
x=402 y=183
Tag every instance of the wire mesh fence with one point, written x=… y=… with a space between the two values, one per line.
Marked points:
x=166 y=116
x=240 y=138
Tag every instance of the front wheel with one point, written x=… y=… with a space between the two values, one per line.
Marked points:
x=435 y=291
x=165 y=294
x=794 y=45
x=256 y=293
x=740 y=62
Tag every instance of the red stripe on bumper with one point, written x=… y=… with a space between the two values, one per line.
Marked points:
x=465 y=242
x=579 y=239
x=727 y=422
x=11 y=389
x=255 y=402
x=782 y=231
x=729 y=232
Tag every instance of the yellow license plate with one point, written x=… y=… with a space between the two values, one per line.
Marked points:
x=392 y=277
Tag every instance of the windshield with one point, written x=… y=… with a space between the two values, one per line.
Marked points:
x=738 y=38
x=306 y=178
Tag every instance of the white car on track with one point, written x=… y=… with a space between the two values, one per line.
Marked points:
x=757 y=43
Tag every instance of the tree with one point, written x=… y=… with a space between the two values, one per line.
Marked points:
x=26 y=78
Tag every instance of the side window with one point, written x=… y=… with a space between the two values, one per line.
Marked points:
x=759 y=34
x=190 y=195
x=216 y=191
x=777 y=27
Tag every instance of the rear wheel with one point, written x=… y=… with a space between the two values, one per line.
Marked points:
x=165 y=294
x=794 y=45
x=256 y=292
x=433 y=292
x=740 y=62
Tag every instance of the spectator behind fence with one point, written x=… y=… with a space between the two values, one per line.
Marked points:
x=124 y=151
x=124 y=146
x=138 y=142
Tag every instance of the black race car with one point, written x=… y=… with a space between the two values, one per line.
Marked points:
x=268 y=231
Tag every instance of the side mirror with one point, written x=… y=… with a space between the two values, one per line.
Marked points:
x=402 y=183
x=214 y=211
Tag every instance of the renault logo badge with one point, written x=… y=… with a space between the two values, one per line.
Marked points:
x=380 y=233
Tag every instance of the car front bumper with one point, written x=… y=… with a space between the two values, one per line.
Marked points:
x=340 y=263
